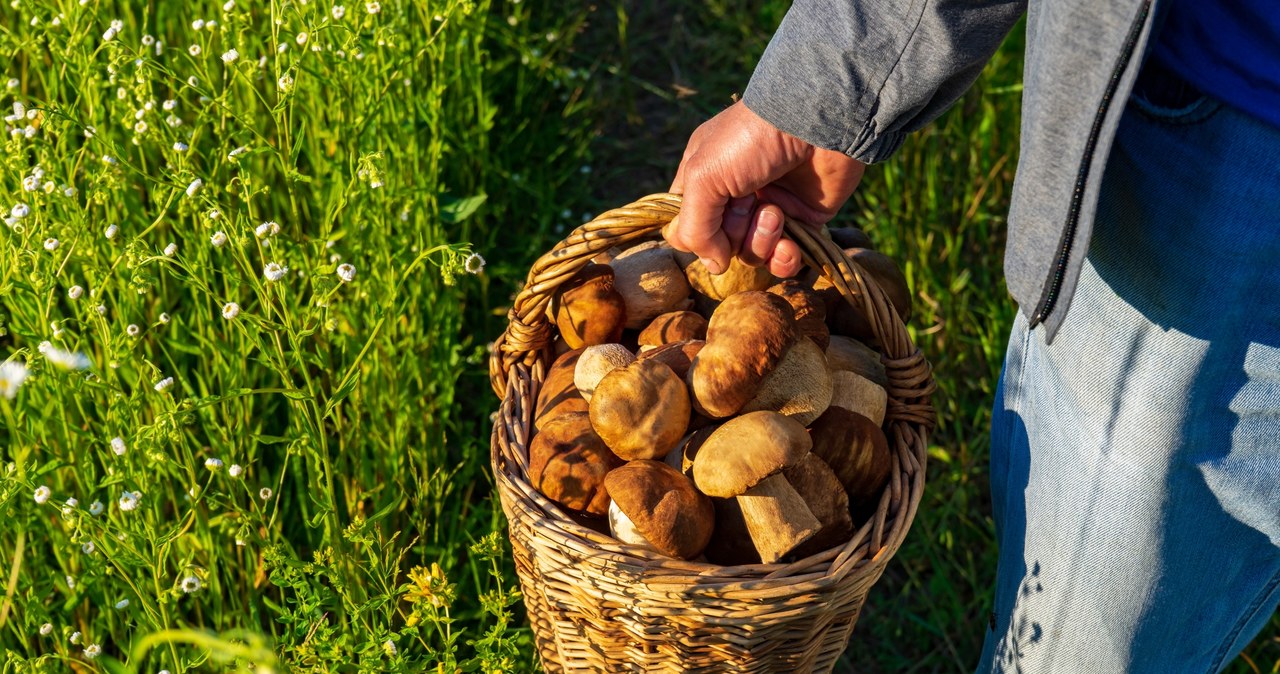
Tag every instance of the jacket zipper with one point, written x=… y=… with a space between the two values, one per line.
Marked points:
x=1053 y=284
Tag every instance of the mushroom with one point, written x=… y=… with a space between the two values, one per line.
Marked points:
x=568 y=462
x=821 y=490
x=558 y=395
x=847 y=353
x=799 y=387
x=739 y=277
x=588 y=309
x=744 y=458
x=851 y=237
x=650 y=283
x=843 y=318
x=859 y=394
x=597 y=361
x=857 y=451
x=677 y=355
x=641 y=410
x=747 y=337
x=810 y=311
x=656 y=507
x=730 y=543
x=683 y=456
x=675 y=326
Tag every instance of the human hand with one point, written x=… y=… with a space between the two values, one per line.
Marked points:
x=738 y=176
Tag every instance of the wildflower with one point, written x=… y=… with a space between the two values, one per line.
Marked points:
x=282 y=47
x=163 y=384
x=118 y=446
x=194 y=50
x=133 y=330
x=87 y=549
x=108 y=159
x=74 y=292
x=285 y=82
x=69 y=191
x=64 y=359
x=270 y=228
x=109 y=35
x=179 y=146
x=20 y=210
x=346 y=273
x=219 y=239
x=51 y=244
x=122 y=604
x=70 y=505
x=194 y=187
x=301 y=38
x=430 y=586
x=95 y=508
x=171 y=250
x=274 y=272
x=214 y=214
x=193 y=81
x=230 y=56
x=230 y=310
x=148 y=40
x=372 y=7
x=474 y=264
x=71 y=584
x=101 y=309
x=264 y=493
x=75 y=638
x=338 y=12
x=388 y=646
x=111 y=232
x=42 y=494
x=12 y=374
x=129 y=501
x=140 y=127
x=236 y=470
x=237 y=152
x=169 y=104
x=228 y=5
x=197 y=24
x=13 y=83
x=164 y=319
x=213 y=464
x=92 y=651
x=190 y=584
x=46 y=629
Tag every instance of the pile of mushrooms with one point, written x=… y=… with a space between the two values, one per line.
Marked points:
x=733 y=419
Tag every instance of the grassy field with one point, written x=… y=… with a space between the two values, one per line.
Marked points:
x=230 y=452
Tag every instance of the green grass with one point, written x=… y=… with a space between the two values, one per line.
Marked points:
x=493 y=127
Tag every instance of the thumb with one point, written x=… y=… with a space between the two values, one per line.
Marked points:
x=697 y=229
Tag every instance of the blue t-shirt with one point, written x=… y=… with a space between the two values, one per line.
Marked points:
x=1229 y=49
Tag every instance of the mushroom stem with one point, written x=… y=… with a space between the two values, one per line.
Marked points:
x=777 y=518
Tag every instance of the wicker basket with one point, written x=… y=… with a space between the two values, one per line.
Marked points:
x=598 y=605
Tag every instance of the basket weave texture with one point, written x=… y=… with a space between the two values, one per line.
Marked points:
x=598 y=605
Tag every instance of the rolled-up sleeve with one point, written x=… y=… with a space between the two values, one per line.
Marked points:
x=857 y=76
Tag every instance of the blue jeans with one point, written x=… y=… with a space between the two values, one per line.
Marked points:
x=1135 y=461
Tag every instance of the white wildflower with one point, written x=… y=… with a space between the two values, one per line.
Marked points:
x=96 y=508
x=122 y=604
x=372 y=7
x=179 y=146
x=474 y=264
x=230 y=56
x=264 y=493
x=64 y=359
x=20 y=210
x=12 y=374
x=111 y=232
x=46 y=629
x=228 y=5
x=169 y=104
x=346 y=272
x=338 y=12
x=194 y=187
x=92 y=651
x=219 y=239
x=214 y=214
x=236 y=470
x=70 y=505
x=118 y=446
x=42 y=494
x=194 y=50
x=164 y=319
x=270 y=228
x=285 y=82
x=230 y=310
x=274 y=272
x=87 y=548
x=13 y=83
x=71 y=583
x=75 y=638
x=163 y=384
x=148 y=40
x=51 y=244
x=237 y=152
x=101 y=309
x=301 y=38
x=74 y=292
x=213 y=464
x=129 y=501
x=69 y=191
x=133 y=330
x=190 y=584
x=198 y=24
x=171 y=250
x=388 y=646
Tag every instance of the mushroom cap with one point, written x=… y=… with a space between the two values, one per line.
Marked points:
x=799 y=387
x=738 y=278
x=822 y=491
x=568 y=462
x=674 y=326
x=685 y=454
x=747 y=337
x=558 y=395
x=857 y=450
x=747 y=449
x=664 y=507
x=851 y=237
x=810 y=310
x=859 y=394
x=640 y=411
x=847 y=353
x=650 y=283
x=677 y=355
x=588 y=309
x=889 y=277
x=597 y=361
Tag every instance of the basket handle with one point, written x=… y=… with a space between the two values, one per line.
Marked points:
x=528 y=333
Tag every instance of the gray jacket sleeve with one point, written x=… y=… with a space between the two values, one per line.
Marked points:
x=858 y=75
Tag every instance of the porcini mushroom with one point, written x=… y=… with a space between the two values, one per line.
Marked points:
x=650 y=283
x=597 y=361
x=738 y=278
x=641 y=410
x=859 y=394
x=653 y=505
x=810 y=311
x=851 y=237
x=857 y=451
x=674 y=326
x=558 y=395
x=588 y=309
x=821 y=490
x=568 y=462
x=744 y=458
x=677 y=355
x=843 y=318
x=799 y=387
x=747 y=337
x=847 y=353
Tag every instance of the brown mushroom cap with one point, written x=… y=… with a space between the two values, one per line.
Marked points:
x=747 y=337
x=745 y=450
x=588 y=309
x=887 y=274
x=558 y=395
x=847 y=353
x=674 y=326
x=568 y=462
x=685 y=454
x=810 y=310
x=597 y=361
x=799 y=387
x=738 y=278
x=664 y=506
x=650 y=283
x=851 y=237
x=641 y=410
x=822 y=491
x=677 y=355
x=859 y=394
x=857 y=450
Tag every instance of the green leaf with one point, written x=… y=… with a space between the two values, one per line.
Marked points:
x=454 y=210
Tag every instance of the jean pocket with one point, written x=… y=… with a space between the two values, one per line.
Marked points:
x=1164 y=96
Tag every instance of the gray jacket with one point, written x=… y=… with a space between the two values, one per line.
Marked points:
x=859 y=75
